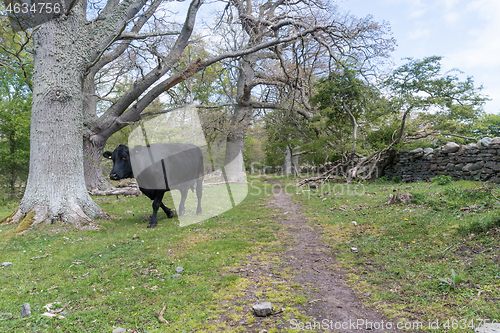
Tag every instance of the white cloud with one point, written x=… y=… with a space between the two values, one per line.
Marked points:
x=419 y=33
x=479 y=52
x=452 y=17
x=483 y=50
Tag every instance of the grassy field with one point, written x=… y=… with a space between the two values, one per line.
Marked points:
x=399 y=258
x=436 y=258
x=109 y=278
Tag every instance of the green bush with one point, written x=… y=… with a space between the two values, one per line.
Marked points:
x=442 y=180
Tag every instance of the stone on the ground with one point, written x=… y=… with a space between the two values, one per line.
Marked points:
x=26 y=310
x=119 y=330
x=7 y=263
x=489 y=328
x=428 y=150
x=179 y=269
x=263 y=309
x=176 y=276
x=495 y=140
x=450 y=147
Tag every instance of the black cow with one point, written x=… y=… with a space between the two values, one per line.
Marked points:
x=161 y=167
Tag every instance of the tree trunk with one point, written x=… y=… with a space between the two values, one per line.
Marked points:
x=56 y=185
x=287 y=162
x=354 y=130
x=92 y=157
x=295 y=165
x=240 y=122
x=13 y=185
x=233 y=166
x=93 y=145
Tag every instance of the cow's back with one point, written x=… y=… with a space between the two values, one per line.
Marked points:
x=182 y=165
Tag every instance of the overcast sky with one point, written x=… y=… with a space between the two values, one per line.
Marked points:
x=465 y=32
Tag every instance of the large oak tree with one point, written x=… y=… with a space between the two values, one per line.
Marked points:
x=71 y=50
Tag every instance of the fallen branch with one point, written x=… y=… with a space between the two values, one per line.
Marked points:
x=7 y=314
x=118 y=191
x=323 y=176
x=160 y=315
x=277 y=312
x=42 y=256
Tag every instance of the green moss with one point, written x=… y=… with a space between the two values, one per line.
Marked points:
x=26 y=223
x=8 y=217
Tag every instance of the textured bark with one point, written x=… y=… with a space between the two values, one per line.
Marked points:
x=287 y=163
x=240 y=121
x=92 y=157
x=233 y=165
x=92 y=149
x=56 y=186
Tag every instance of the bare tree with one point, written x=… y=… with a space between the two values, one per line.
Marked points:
x=291 y=68
x=70 y=50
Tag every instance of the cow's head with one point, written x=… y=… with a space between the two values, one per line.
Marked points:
x=122 y=167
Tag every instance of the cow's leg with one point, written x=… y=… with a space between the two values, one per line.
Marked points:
x=184 y=193
x=199 y=189
x=156 y=205
x=167 y=211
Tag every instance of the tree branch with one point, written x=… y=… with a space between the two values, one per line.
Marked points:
x=135 y=36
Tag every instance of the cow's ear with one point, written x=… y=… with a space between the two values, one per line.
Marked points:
x=107 y=154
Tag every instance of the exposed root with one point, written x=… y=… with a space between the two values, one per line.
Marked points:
x=27 y=222
x=80 y=220
x=8 y=218
x=39 y=215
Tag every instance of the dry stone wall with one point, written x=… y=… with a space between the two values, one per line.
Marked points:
x=479 y=161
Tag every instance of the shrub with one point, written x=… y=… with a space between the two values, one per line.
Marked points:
x=442 y=180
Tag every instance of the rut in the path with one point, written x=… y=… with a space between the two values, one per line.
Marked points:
x=333 y=304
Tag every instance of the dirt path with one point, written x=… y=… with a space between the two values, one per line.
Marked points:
x=332 y=301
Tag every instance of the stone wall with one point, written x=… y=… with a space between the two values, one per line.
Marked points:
x=479 y=161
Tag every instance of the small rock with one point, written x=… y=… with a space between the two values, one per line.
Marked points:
x=7 y=263
x=179 y=269
x=263 y=309
x=26 y=310
x=368 y=294
x=428 y=150
x=489 y=328
x=354 y=222
x=313 y=185
x=495 y=140
x=354 y=249
x=119 y=330
x=176 y=276
x=135 y=236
